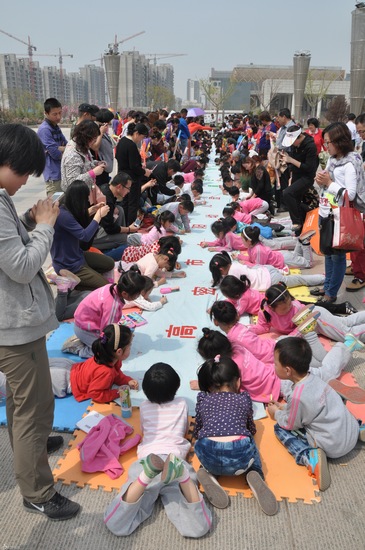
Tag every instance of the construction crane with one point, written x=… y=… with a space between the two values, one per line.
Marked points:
x=101 y=59
x=60 y=56
x=156 y=56
x=113 y=48
x=31 y=47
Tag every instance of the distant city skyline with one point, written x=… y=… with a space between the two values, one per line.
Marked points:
x=219 y=37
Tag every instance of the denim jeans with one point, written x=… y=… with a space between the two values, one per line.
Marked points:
x=117 y=252
x=296 y=443
x=228 y=457
x=335 y=267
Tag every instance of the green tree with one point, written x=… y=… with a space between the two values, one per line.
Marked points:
x=159 y=97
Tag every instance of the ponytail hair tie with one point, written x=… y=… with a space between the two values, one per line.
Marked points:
x=103 y=338
x=217 y=358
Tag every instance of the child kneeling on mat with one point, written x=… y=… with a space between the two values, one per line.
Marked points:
x=161 y=469
x=314 y=423
x=224 y=429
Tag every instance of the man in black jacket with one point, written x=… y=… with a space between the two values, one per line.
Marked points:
x=162 y=172
x=303 y=163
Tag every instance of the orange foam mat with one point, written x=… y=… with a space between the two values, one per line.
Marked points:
x=68 y=469
x=358 y=410
x=285 y=478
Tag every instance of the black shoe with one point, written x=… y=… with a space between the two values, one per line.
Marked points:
x=54 y=442
x=317 y=291
x=58 y=508
x=281 y=210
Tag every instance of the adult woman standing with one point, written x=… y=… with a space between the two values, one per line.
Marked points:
x=26 y=316
x=77 y=162
x=129 y=161
x=73 y=226
x=342 y=171
x=316 y=133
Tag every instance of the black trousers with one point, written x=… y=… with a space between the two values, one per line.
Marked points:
x=292 y=197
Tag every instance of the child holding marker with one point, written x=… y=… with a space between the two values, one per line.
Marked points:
x=314 y=423
x=101 y=307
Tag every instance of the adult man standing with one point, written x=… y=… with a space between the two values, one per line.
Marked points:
x=357 y=268
x=183 y=131
x=54 y=143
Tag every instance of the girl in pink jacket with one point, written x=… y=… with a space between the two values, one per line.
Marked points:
x=238 y=291
x=159 y=229
x=260 y=254
x=226 y=240
x=100 y=308
x=224 y=315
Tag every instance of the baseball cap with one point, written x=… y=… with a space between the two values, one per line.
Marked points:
x=291 y=135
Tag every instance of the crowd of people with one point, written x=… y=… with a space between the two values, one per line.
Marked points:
x=102 y=262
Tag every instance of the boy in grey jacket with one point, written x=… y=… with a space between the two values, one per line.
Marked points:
x=314 y=422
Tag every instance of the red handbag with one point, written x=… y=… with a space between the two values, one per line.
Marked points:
x=348 y=231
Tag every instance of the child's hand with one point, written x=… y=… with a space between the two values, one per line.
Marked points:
x=203 y=244
x=234 y=255
x=271 y=409
x=179 y=274
x=182 y=232
x=209 y=310
x=178 y=265
x=212 y=249
x=163 y=300
x=162 y=281
x=194 y=385
x=133 y=384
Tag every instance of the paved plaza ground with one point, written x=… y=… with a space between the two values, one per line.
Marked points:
x=337 y=522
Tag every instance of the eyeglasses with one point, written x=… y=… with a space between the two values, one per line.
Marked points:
x=126 y=186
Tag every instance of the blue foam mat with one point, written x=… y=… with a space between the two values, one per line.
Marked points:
x=56 y=339
x=67 y=410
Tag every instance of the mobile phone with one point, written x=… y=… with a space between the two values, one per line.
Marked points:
x=57 y=196
x=137 y=222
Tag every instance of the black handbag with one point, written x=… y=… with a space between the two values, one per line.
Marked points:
x=326 y=235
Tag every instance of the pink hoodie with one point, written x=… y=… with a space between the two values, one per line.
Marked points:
x=101 y=448
x=250 y=204
x=279 y=323
x=258 y=379
x=242 y=217
x=99 y=309
x=261 y=348
x=250 y=302
x=153 y=235
x=260 y=254
x=231 y=241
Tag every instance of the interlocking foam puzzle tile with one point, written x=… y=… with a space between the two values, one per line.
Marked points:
x=357 y=410
x=68 y=469
x=285 y=478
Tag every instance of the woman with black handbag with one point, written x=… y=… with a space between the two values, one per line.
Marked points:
x=342 y=171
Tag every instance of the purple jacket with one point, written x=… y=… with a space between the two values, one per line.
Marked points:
x=66 y=252
x=52 y=137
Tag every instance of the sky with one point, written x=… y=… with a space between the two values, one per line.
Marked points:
x=212 y=33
